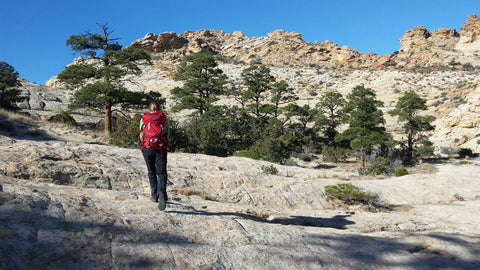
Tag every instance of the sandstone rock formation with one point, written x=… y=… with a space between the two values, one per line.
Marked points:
x=470 y=35
x=430 y=63
x=69 y=202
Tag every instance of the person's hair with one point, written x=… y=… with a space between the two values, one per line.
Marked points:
x=154 y=106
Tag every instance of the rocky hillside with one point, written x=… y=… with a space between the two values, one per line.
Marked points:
x=442 y=66
x=69 y=202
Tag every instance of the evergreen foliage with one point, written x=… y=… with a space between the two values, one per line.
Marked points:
x=381 y=166
x=258 y=82
x=330 y=114
x=63 y=118
x=126 y=134
x=100 y=84
x=347 y=193
x=203 y=82
x=365 y=121
x=9 y=94
x=407 y=109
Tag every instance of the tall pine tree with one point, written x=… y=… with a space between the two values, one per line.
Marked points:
x=365 y=121
x=99 y=81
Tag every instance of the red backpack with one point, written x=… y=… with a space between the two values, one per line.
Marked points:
x=153 y=128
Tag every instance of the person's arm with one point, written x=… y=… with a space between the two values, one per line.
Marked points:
x=140 y=130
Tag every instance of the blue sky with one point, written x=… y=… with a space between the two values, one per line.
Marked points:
x=33 y=32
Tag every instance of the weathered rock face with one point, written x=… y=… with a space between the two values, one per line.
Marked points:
x=280 y=48
x=470 y=35
x=282 y=34
x=68 y=202
x=159 y=43
x=441 y=48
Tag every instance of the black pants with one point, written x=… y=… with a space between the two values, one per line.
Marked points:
x=156 y=161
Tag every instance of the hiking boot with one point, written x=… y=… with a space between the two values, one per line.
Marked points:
x=153 y=199
x=165 y=196
x=161 y=202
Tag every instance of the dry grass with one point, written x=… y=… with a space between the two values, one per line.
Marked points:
x=188 y=191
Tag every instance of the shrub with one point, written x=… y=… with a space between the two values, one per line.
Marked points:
x=347 y=193
x=126 y=134
x=333 y=154
x=401 y=171
x=270 y=169
x=274 y=149
x=464 y=152
x=248 y=154
x=63 y=118
x=381 y=166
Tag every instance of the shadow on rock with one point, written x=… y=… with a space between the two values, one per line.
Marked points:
x=336 y=222
x=18 y=128
x=34 y=234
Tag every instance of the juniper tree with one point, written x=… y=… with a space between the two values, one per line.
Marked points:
x=99 y=81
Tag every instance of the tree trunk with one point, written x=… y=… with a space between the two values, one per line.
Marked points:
x=362 y=155
x=409 y=157
x=108 y=118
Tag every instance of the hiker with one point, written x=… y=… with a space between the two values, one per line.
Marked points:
x=154 y=133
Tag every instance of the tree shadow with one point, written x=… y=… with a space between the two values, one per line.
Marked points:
x=18 y=128
x=400 y=253
x=40 y=238
x=34 y=235
x=336 y=222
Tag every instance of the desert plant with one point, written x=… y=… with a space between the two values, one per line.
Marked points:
x=248 y=154
x=401 y=171
x=464 y=152
x=126 y=134
x=380 y=166
x=63 y=118
x=270 y=169
x=347 y=193
x=333 y=154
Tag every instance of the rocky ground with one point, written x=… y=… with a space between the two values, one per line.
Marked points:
x=70 y=202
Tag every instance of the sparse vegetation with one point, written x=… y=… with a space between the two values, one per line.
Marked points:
x=401 y=171
x=333 y=154
x=270 y=169
x=347 y=193
x=465 y=152
x=381 y=166
x=63 y=118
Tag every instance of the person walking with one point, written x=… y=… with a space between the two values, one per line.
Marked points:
x=154 y=133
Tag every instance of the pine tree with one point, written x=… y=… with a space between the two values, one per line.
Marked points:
x=9 y=93
x=330 y=116
x=203 y=82
x=365 y=121
x=407 y=109
x=99 y=81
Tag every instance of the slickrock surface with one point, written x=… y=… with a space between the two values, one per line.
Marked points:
x=69 y=202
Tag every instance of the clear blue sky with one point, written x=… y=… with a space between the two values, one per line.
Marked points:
x=33 y=32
